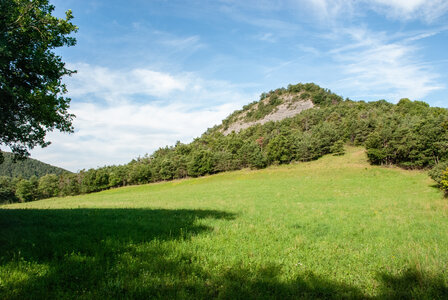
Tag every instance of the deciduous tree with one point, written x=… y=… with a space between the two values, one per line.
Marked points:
x=31 y=88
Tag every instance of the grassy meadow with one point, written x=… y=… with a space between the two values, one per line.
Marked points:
x=332 y=228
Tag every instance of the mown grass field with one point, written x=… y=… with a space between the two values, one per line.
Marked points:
x=332 y=228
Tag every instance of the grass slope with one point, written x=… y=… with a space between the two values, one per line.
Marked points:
x=332 y=228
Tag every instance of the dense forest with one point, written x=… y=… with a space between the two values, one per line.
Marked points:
x=409 y=134
x=26 y=168
x=21 y=176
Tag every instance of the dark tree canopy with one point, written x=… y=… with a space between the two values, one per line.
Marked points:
x=27 y=168
x=31 y=88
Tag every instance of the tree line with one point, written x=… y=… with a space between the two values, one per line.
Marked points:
x=409 y=134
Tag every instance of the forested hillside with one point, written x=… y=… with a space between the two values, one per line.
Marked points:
x=26 y=168
x=409 y=134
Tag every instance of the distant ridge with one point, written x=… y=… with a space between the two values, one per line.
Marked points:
x=26 y=168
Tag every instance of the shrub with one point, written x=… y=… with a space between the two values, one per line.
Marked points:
x=437 y=172
x=252 y=156
x=48 y=186
x=444 y=181
x=201 y=163
x=338 y=148
x=25 y=190
x=280 y=149
x=7 y=190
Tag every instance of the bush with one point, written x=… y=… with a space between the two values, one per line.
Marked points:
x=201 y=163
x=48 y=186
x=280 y=149
x=7 y=190
x=117 y=176
x=252 y=156
x=444 y=181
x=69 y=184
x=139 y=173
x=437 y=172
x=338 y=148
x=25 y=190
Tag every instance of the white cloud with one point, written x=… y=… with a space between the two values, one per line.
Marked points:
x=116 y=134
x=121 y=85
x=112 y=83
x=120 y=129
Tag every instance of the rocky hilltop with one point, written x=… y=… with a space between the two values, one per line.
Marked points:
x=288 y=108
x=278 y=105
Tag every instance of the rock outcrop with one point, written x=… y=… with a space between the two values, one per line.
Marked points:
x=289 y=107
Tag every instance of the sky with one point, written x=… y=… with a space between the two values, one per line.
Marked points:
x=153 y=72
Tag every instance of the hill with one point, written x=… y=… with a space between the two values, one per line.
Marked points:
x=300 y=123
x=334 y=228
x=26 y=168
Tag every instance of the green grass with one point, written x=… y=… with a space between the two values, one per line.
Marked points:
x=332 y=228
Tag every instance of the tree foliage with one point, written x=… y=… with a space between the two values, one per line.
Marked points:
x=31 y=73
x=26 y=168
x=26 y=190
x=8 y=189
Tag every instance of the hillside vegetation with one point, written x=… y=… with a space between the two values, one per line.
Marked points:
x=335 y=228
x=410 y=134
x=28 y=179
x=26 y=168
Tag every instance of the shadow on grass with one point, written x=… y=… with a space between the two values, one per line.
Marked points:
x=72 y=251
x=43 y=234
x=265 y=283
x=413 y=284
x=434 y=186
x=439 y=188
x=147 y=253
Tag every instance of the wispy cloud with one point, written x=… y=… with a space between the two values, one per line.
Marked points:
x=309 y=50
x=327 y=11
x=266 y=37
x=191 y=42
x=261 y=14
x=426 y=10
x=377 y=67
x=330 y=11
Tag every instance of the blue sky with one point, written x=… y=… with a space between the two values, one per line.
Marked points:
x=154 y=72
